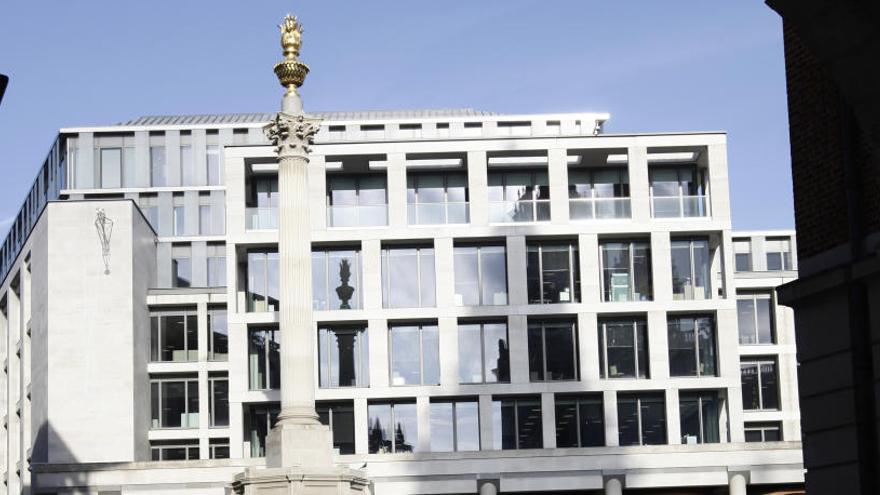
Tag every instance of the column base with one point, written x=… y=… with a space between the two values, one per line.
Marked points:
x=282 y=481
x=306 y=446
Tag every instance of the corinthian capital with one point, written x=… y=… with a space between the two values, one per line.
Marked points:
x=292 y=134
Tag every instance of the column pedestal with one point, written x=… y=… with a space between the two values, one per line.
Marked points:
x=293 y=480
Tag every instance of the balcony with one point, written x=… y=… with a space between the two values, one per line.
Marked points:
x=537 y=210
x=261 y=218
x=599 y=208
x=438 y=213
x=680 y=206
x=375 y=215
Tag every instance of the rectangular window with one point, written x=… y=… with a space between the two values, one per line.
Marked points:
x=264 y=359
x=483 y=353
x=181 y=266
x=598 y=193
x=174 y=336
x=408 y=279
x=392 y=427
x=261 y=203
x=111 y=167
x=455 y=425
x=742 y=250
x=205 y=220
x=626 y=271
x=339 y=416
x=175 y=403
x=641 y=419
x=174 y=450
x=691 y=264
x=778 y=253
x=336 y=279
x=356 y=201
x=553 y=273
x=678 y=191
x=519 y=197
x=262 y=280
x=179 y=220
x=219 y=448
x=343 y=357
x=553 y=351
x=158 y=167
x=259 y=420
x=187 y=169
x=480 y=275
x=623 y=348
x=149 y=206
x=212 y=159
x=580 y=421
x=691 y=345
x=700 y=417
x=760 y=384
x=754 y=313
x=218 y=335
x=437 y=199
x=218 y=407
x=415 y=355
x=216 y=265
x=516 y=423
x=763 y=432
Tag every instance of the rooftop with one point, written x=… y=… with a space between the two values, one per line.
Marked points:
x=249 y=118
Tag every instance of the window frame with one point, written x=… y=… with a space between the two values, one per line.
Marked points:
x=212 y=150
x=498 y=406
x=697 y=354
x=186 y=380
x=387 y=285
x=158 y=166
x=757 y=362
x=361 y=356
x=754 y=296
x=631 y=244
x=639 y=397
x=535 y=200
x=274 y=337
x=160 y=315
x=264 y=263
x=393 y=423
x=692 y=267
x=412 y=206
x=455 y=402
x=357 y=178
x=590 y=174
x=701 y=183
x=578 y=399
x=604 y=363
x=574 y=276
x=212 y=315
x=483 y=365
x=356 y=301
x=481 y=276
x=332 y=408
x=762 y=427
x=422 y=327
x=542 y=324
x=190 y=446
x=212 y=402
x=699 y=396
x=121 y=164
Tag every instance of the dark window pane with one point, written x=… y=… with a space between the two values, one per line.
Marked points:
x=653 y=422
x=750 y=393
x=592 y=421
x=566 y=423
x=536 y=353
x=769 y=386
x=627 y=421
x=529 y=429
x=560 y=349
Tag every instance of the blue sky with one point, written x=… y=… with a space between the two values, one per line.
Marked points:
x=674 y=65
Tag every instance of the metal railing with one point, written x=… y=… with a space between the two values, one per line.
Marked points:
x=679 y=206
x=438 y=213
x=599 y=208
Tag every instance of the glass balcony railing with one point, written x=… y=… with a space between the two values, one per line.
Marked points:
x=680 y=206
x=599 y=208
x=519 y=211
x=357 y=216
x=437 y=213
x=261 y=218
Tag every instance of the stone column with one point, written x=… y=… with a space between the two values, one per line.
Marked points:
x=737 y=483
x=613 y=486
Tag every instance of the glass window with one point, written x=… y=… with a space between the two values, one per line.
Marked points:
x=626 y=271
x=522 y=196
x=187 y=170
x=690 y=269
x=435 y=199
x=174 y=450
x=552 y=350
x=516 y=423
x=175 y=403
x=158 y=170
x=336 y=279
x=179 y=221
x=217 y=271
x=181 y=269
x=678 y=191
x=339 y=416
x=760 y=384
x=218 y=335
x=455 y=425
x=691 y=345
x=580 y=421
x=483 y=353
x=763 y=432
x=598 y=193
x=356 y=201
x=343 y=355
x=415 y=355
x=623 y=348
x=408 y=279
x=392 y=427
x=149 y=206
x=205 y=220
x=641 y=419
x=218 y=407
x=480 y=275
x=111 y=167
x=213 y=164
x=264 y=364
x=700 y=417
x=219 y=448
x=174 y=336
x=553 y=273
x=755 y=318
x=742 y=250
x=259 y=420
x=778 y=253
x=262 y=280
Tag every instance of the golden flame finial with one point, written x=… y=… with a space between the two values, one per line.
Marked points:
x=291 y=71
x=291 y=36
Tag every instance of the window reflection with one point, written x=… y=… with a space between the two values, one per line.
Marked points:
x=455 y=426
x=392 y=427
x=580 y=421
x=626 y=271
x=516 y=423
x=408 y=279
x=484 y=355
x=336 y=279
x=553 y=273
x=641 y=419
x=343 y=356
x=480 y=275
